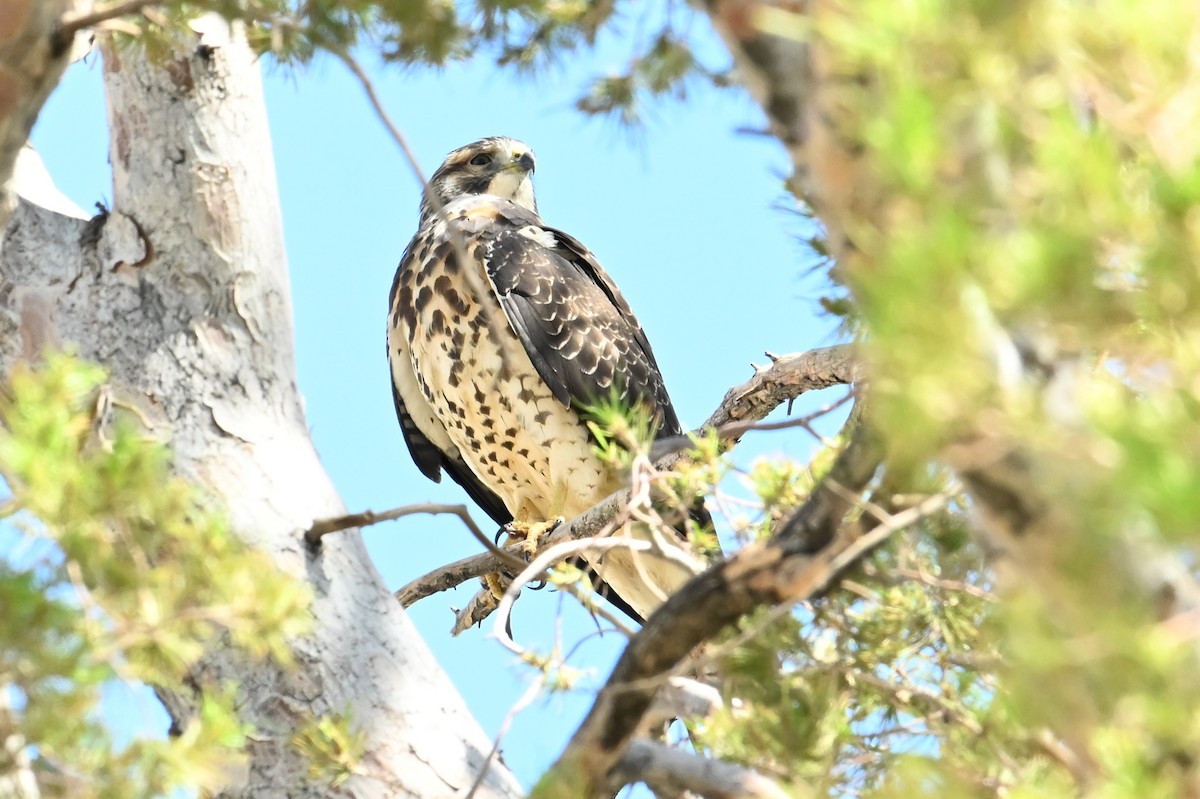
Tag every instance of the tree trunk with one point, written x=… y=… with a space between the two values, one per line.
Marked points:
x=182 y=293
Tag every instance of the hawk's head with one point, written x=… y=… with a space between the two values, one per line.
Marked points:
x=497 y=165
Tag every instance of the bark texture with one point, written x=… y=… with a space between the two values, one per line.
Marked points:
x=182 y=292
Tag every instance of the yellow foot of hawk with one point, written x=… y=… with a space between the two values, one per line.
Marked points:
x=530 y=535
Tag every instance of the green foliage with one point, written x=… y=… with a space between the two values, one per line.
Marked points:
x=332 y=748
x=1029 y=277
x=127 y=574
x=524 y=34
x=887 y=674
x=620 y=431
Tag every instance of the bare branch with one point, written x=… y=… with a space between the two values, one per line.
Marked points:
x=786 y=378
x=669 y=772
x=482 y=605
x=323 y=527
x=456 y=238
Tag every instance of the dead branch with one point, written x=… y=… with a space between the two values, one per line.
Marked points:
x=671 y=772
x=787 y=377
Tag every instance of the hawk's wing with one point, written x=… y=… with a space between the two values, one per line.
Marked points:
x=428 y=456
x=576 y=327
x=432 y=459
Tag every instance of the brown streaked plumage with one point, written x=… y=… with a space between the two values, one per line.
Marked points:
x=490 y=374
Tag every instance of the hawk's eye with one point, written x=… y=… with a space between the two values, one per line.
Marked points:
x=483 y=159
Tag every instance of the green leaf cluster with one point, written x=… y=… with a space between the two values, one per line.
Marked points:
x=1026 y=278
x=890 y=674
x=120 y=571
x=528 y=35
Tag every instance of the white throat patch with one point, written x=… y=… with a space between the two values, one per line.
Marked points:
x=515 y=186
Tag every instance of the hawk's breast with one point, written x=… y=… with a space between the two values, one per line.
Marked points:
x=480 y=391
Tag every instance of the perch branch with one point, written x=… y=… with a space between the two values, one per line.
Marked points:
x=786 y=378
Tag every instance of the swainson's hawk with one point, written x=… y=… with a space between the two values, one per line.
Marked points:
x=493 y=360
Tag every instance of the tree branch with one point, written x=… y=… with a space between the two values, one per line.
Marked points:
x=73 y=23
x=31 y=63
x=802 y=561
x=669 y=772
x=786 y=378
x=323 y=527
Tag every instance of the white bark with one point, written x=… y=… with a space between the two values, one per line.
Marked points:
x=184 y=296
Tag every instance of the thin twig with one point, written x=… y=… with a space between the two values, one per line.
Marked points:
x=473 y=276
x=536 y=570
x=588 y=600
x=735 y=430
x=886 y=527
x=323 y=527
x=533 y=692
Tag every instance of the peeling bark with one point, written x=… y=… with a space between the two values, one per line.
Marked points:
x=182 y=293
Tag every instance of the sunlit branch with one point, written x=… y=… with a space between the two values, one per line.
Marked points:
x=672 y=772
x=323 y=527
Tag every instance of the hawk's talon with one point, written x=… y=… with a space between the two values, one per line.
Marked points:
x=531 y=534
x=496 y=584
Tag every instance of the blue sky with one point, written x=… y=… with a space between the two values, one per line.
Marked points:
x=683 y=214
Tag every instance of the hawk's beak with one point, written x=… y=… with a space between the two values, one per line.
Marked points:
x=525 y=162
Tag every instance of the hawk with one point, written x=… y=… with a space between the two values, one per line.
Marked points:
x=501 y=330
